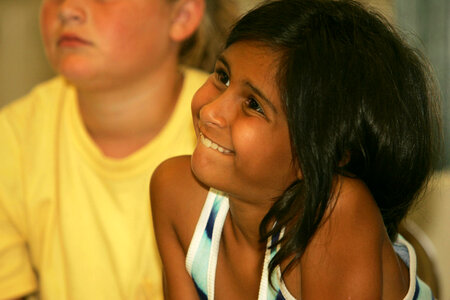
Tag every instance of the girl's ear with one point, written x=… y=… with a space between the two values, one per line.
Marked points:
x=345 y=159
x=298 y=170
x=186 y=18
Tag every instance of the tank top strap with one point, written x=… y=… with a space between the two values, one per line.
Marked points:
x=275 y=289
x=201 y=259
x=418 y=290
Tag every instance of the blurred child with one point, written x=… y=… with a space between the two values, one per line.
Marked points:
x=77 y=153
x=316 y=133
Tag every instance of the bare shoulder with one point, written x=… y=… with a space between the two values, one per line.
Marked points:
x=176 y=200
x=346 y=251
x=176 y=197
x=168 y=172
x=354 y=203
x=172 y=180
x=353 y=214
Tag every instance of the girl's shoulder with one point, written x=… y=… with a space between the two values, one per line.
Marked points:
x=352 y=214
x=346 y=250
x=353 y=202
x=176 y=198
x=170 y=175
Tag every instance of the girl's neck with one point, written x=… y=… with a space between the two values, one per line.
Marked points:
x=245 y=221
x=126 y=117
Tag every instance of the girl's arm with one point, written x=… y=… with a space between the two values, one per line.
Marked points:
x=175 y=212
x=344 y=257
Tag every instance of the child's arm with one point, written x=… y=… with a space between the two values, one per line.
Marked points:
x=175 y=212
x=344 y=258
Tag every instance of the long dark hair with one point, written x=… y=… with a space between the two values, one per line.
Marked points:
x=359 y=102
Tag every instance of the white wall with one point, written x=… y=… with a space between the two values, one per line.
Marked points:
x=432 y=215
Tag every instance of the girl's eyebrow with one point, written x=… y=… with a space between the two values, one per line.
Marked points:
x=255 y=90
x=261 y=95
x=223 y=60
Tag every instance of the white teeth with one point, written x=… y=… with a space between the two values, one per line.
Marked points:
x=210 y=144
x=206 y=142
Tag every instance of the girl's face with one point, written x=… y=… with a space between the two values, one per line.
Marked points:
x=88 y=41
x=243 y=139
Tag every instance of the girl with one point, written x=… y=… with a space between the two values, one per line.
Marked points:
x=77 y=153
x=316 y=133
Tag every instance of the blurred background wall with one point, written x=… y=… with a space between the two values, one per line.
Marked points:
x=22 y=59
x=427 y=23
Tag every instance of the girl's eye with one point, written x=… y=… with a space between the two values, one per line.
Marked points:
x=254 y=105
x=223 y=77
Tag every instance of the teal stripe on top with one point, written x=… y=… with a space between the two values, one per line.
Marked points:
x=201 y=263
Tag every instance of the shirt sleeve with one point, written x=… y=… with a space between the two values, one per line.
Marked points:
x=17 y=277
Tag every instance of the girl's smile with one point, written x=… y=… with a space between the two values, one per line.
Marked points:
x=210 y=144
x=238 y=112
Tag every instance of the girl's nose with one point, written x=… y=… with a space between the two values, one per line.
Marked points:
x=219 y=112
x=71 y=11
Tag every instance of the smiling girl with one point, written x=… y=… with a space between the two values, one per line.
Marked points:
x=316 y=132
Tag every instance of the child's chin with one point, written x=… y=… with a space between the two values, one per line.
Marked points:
x=202 y=167
x=76 y=76
x=88 y=82
x=76 y=70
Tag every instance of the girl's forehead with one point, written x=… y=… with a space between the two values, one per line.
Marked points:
x=258 y=55
x=253 y=53
x=257 y=45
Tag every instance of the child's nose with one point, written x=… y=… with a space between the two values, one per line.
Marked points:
x=71 y=11
x=218 y=112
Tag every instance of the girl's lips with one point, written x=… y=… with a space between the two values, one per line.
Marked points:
x=210 y=144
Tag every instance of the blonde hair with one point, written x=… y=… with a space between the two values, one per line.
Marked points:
x=201 y=49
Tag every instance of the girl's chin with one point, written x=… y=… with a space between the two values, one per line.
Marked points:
x=209 y=171
x=202 y=167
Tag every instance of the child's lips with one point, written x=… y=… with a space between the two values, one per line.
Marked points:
x=210 y=144
x=72 y=40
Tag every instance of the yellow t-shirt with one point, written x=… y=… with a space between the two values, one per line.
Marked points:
x=75 y=224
